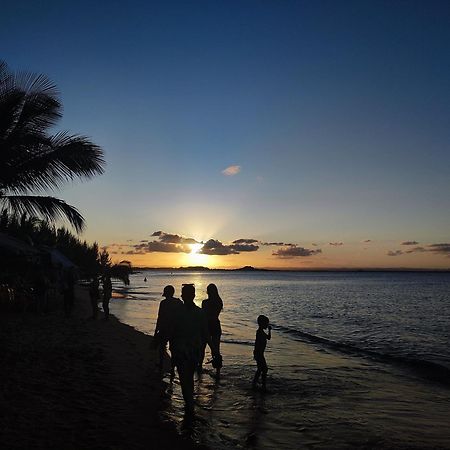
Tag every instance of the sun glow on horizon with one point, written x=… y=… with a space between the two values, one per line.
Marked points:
x=195 y=248
x=195 y=258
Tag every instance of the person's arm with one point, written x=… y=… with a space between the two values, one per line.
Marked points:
x=269 y=332
x=206 y=335
x=158 y=321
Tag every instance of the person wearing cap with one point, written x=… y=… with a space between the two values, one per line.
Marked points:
x=165 y=324
x=190 y=334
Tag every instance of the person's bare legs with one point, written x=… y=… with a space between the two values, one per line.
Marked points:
x=186 y=374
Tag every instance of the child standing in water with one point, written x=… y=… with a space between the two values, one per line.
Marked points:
x=258 y=352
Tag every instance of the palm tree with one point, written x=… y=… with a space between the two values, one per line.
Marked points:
x=33 y=161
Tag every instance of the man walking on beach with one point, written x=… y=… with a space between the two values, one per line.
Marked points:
x=167 y=315
x=190 y=334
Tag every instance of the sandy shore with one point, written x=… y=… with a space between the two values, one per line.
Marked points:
x=79 y=384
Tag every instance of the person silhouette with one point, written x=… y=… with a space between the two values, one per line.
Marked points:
x=107 y=293
x=258 y=352
x=189 y=335
x=165 y=323
x=212 y=307
x=94 y=295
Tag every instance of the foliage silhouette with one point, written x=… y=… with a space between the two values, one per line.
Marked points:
x=33 y=161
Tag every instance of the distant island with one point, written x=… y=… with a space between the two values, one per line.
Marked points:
x=305 y=269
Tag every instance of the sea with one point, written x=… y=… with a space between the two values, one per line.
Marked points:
x=356 y=359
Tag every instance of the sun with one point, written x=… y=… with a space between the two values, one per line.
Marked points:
x=195 y=248
x=195 y=258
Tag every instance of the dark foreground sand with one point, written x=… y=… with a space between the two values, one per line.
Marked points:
x=79 y=384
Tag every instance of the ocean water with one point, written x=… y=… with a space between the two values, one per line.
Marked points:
x=356 y=359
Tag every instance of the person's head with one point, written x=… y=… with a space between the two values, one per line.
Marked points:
x=168 y=291
x=212 y=291
x=188 y=292
x=263 y=321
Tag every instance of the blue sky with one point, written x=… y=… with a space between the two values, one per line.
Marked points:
x=336 y=112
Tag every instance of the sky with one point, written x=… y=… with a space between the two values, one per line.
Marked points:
x=319 y=127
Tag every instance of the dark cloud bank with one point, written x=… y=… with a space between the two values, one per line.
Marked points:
x=440 y=249
x=176 y=243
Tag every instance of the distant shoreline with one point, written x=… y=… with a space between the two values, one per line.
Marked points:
x=255 y=269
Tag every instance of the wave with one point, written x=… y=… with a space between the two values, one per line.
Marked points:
x=238 y=342
x=426 y=369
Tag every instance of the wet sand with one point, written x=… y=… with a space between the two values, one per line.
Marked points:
x=79 y=384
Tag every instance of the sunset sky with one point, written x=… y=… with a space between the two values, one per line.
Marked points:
x=254 y=132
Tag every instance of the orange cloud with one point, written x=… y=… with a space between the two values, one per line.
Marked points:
x=231 y=171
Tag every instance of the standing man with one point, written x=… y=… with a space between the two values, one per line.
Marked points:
x=190 y=334
x=167 y=314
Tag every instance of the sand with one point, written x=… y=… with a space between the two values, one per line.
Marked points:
x=76 y=383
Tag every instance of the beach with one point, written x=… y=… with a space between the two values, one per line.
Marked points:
x=76 y=383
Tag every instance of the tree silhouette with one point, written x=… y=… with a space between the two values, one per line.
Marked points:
x=33 y=161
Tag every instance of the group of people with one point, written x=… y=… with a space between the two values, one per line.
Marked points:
x=188 y=329
x=105 y=296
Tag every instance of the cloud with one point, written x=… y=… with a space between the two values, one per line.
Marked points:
x=416 y=250
x=336 y=244
x=409 y=243
x=231 y=171
x=215 y=247
x=394 y=253
x=166 y=243
x=245 y=241
x=165 y=247
x=443 y=249
x=134 y=252
x=170 y=238
x=278 y=244
x=244 y=247
x=158 y=247
x=294 y=252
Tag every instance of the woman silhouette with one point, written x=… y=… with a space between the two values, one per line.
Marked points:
x=212 y=307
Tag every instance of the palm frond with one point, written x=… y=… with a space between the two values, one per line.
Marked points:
x=48 y=208
x=28 y=102
x=51 y=163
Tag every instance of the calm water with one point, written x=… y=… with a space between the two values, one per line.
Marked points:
x=355 y=358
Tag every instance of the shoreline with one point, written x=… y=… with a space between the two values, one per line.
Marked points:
x=76 y=383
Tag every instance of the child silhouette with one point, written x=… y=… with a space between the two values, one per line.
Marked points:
x=258 y=352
